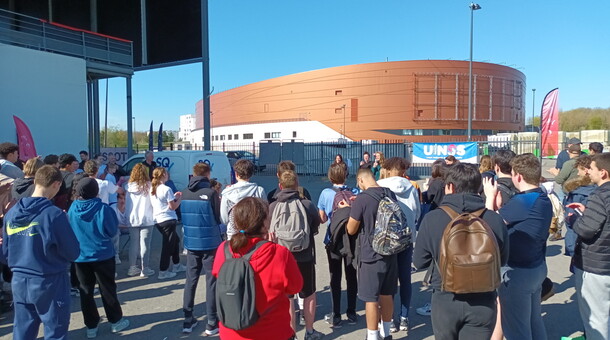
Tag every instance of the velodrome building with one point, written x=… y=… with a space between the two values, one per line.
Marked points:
x=418 y=100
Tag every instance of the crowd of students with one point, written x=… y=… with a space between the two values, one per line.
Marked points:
x=56 y=218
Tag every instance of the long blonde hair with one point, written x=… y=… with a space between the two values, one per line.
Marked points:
x=139 y=175
x=158 y=174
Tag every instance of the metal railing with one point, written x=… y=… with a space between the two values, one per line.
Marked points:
x=25 y=31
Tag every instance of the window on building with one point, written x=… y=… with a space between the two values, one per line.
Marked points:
x=248 y=136
x=294 y=134
x=338 y=92
x=230 y=137
x=276 y=134
x=222 y=137
x=236 y=136
x=267 y=134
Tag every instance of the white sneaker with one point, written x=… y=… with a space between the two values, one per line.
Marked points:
x=133 y=271
x=146 y=272
x=425 y=310
x=117 y=259
x=177 y=268
x=166 y=275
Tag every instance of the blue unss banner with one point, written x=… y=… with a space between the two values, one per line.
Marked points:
x=429 y=152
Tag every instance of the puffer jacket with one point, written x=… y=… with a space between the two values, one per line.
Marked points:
x=593 y=229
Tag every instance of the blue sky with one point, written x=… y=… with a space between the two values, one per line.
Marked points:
x=554 y=43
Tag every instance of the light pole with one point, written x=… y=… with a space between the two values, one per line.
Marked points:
x=133 y=133
x=533 y=107
x=343 y=121
x=473 y=7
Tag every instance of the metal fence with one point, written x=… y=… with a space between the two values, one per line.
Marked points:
x=315 y=158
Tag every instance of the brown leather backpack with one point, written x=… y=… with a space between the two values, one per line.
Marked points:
x=469 y=256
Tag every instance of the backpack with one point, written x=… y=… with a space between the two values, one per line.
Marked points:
x=505 y=189
x=392 y=234
x=290 y=224
x=343 y=193
x=340 y=243
x=469 y=256
x=236 y=290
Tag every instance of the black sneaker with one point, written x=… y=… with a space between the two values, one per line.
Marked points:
x=333 y=320
x=188 y=325
x=352 y=318
x=211 y=329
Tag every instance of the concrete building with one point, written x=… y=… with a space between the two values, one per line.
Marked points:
x=187 y=124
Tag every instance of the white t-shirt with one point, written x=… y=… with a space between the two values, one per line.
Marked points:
x=160 y=204
x=106 y=188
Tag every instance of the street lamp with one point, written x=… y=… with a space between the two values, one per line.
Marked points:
x=343 y=121
x=133 y=132
x=533 y=107
x=473 y=7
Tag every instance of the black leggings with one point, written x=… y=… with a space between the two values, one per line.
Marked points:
x=171 y=244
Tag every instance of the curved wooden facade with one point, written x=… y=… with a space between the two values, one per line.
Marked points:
x=412 y=100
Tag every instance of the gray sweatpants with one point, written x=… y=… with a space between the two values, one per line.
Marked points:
x=139 y=242
x=593 y=293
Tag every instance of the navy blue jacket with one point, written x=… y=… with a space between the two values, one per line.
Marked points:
x=37 y=238
x=201 y=215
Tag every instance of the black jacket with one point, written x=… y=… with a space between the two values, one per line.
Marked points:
x=434 y=223
x=593 y=230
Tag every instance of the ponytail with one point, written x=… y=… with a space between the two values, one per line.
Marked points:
x=249 y=217
x=156 y=180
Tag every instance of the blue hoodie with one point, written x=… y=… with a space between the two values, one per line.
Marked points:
x=38 y=240
x=94 y=224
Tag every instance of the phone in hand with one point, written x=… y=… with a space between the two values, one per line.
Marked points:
x=578 y=211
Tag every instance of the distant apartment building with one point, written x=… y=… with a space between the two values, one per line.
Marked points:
x=187 y=124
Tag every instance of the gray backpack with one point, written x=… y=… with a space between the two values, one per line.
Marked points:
x=236 y=290
x=290 y=224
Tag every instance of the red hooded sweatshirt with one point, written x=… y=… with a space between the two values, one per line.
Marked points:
x=276 y=276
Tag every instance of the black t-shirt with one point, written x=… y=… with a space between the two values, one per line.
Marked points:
x=364 y=209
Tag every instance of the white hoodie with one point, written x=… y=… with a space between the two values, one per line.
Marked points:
x=407 y=195
x=232 y=195
x=138 y=206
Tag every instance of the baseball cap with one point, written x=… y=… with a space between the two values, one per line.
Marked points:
x=574 y=140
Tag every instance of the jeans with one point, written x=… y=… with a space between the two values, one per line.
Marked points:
x=196 y=261
x=594 y=303
x=101 y=272
x=43 y=300
x=139 y=242
x=336 y=271
x=520 y=299
x=170 y=246
x=404 y=277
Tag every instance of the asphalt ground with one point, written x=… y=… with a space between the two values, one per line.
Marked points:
x=154 y=307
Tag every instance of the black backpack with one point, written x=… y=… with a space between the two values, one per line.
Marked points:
x=340 y=243
x=236 y=290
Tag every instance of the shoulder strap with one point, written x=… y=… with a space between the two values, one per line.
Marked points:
x=248 y=255
x=452 y=213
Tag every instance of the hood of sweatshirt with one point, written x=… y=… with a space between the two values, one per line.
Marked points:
x=286 y=195
x=238 y=190
x=28 y=208
x=21 y=185
x=399 y=185
x=198 y=182
x=464 y=202
x=86 y=210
